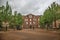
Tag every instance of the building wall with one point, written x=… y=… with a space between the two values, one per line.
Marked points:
x=30 y=20
x=57 y=24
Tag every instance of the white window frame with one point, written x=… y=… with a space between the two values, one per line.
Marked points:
x=34 y=19
x=33 y=22
x=26 y=22
x=30 y=23
x=30 y=19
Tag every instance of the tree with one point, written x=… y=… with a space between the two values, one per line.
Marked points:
x=47 y=18
x=6 y=14
x=42 y=20
x=7 y=17
x=1 y=12
x=17 y=19
x=51 y=14
x=56 y=15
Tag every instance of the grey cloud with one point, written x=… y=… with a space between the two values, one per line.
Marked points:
x=36 y=7
x=2 y=2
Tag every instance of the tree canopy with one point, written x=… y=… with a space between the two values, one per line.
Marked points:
x=51 y=14
x=6 y=15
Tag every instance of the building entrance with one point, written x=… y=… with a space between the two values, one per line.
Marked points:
x=30 y=26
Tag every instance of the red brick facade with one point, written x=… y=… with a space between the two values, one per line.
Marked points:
x=33 y=21
x=30 y=20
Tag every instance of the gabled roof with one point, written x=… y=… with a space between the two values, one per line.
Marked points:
x=31 y=14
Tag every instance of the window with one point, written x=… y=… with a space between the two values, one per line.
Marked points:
x=26 y=22
x=38 y=19
x=33 y=22
x=30 y=20
x=34 y=19
x=26 y=19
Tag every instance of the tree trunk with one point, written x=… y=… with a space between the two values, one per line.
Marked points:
x=46 y=26
x=6 y=28
x=55 y=25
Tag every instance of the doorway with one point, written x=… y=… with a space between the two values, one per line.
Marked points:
x=30 y=26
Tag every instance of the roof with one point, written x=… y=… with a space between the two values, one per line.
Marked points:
x=31 y=14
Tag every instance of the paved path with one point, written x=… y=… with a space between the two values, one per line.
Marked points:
x=29 y=35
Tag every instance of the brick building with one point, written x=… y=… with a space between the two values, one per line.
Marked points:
x=57 y=24
x=31 y=20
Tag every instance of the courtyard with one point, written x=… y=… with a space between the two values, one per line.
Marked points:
x=30 y=34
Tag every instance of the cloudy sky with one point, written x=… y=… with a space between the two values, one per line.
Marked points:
x=36 y=7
